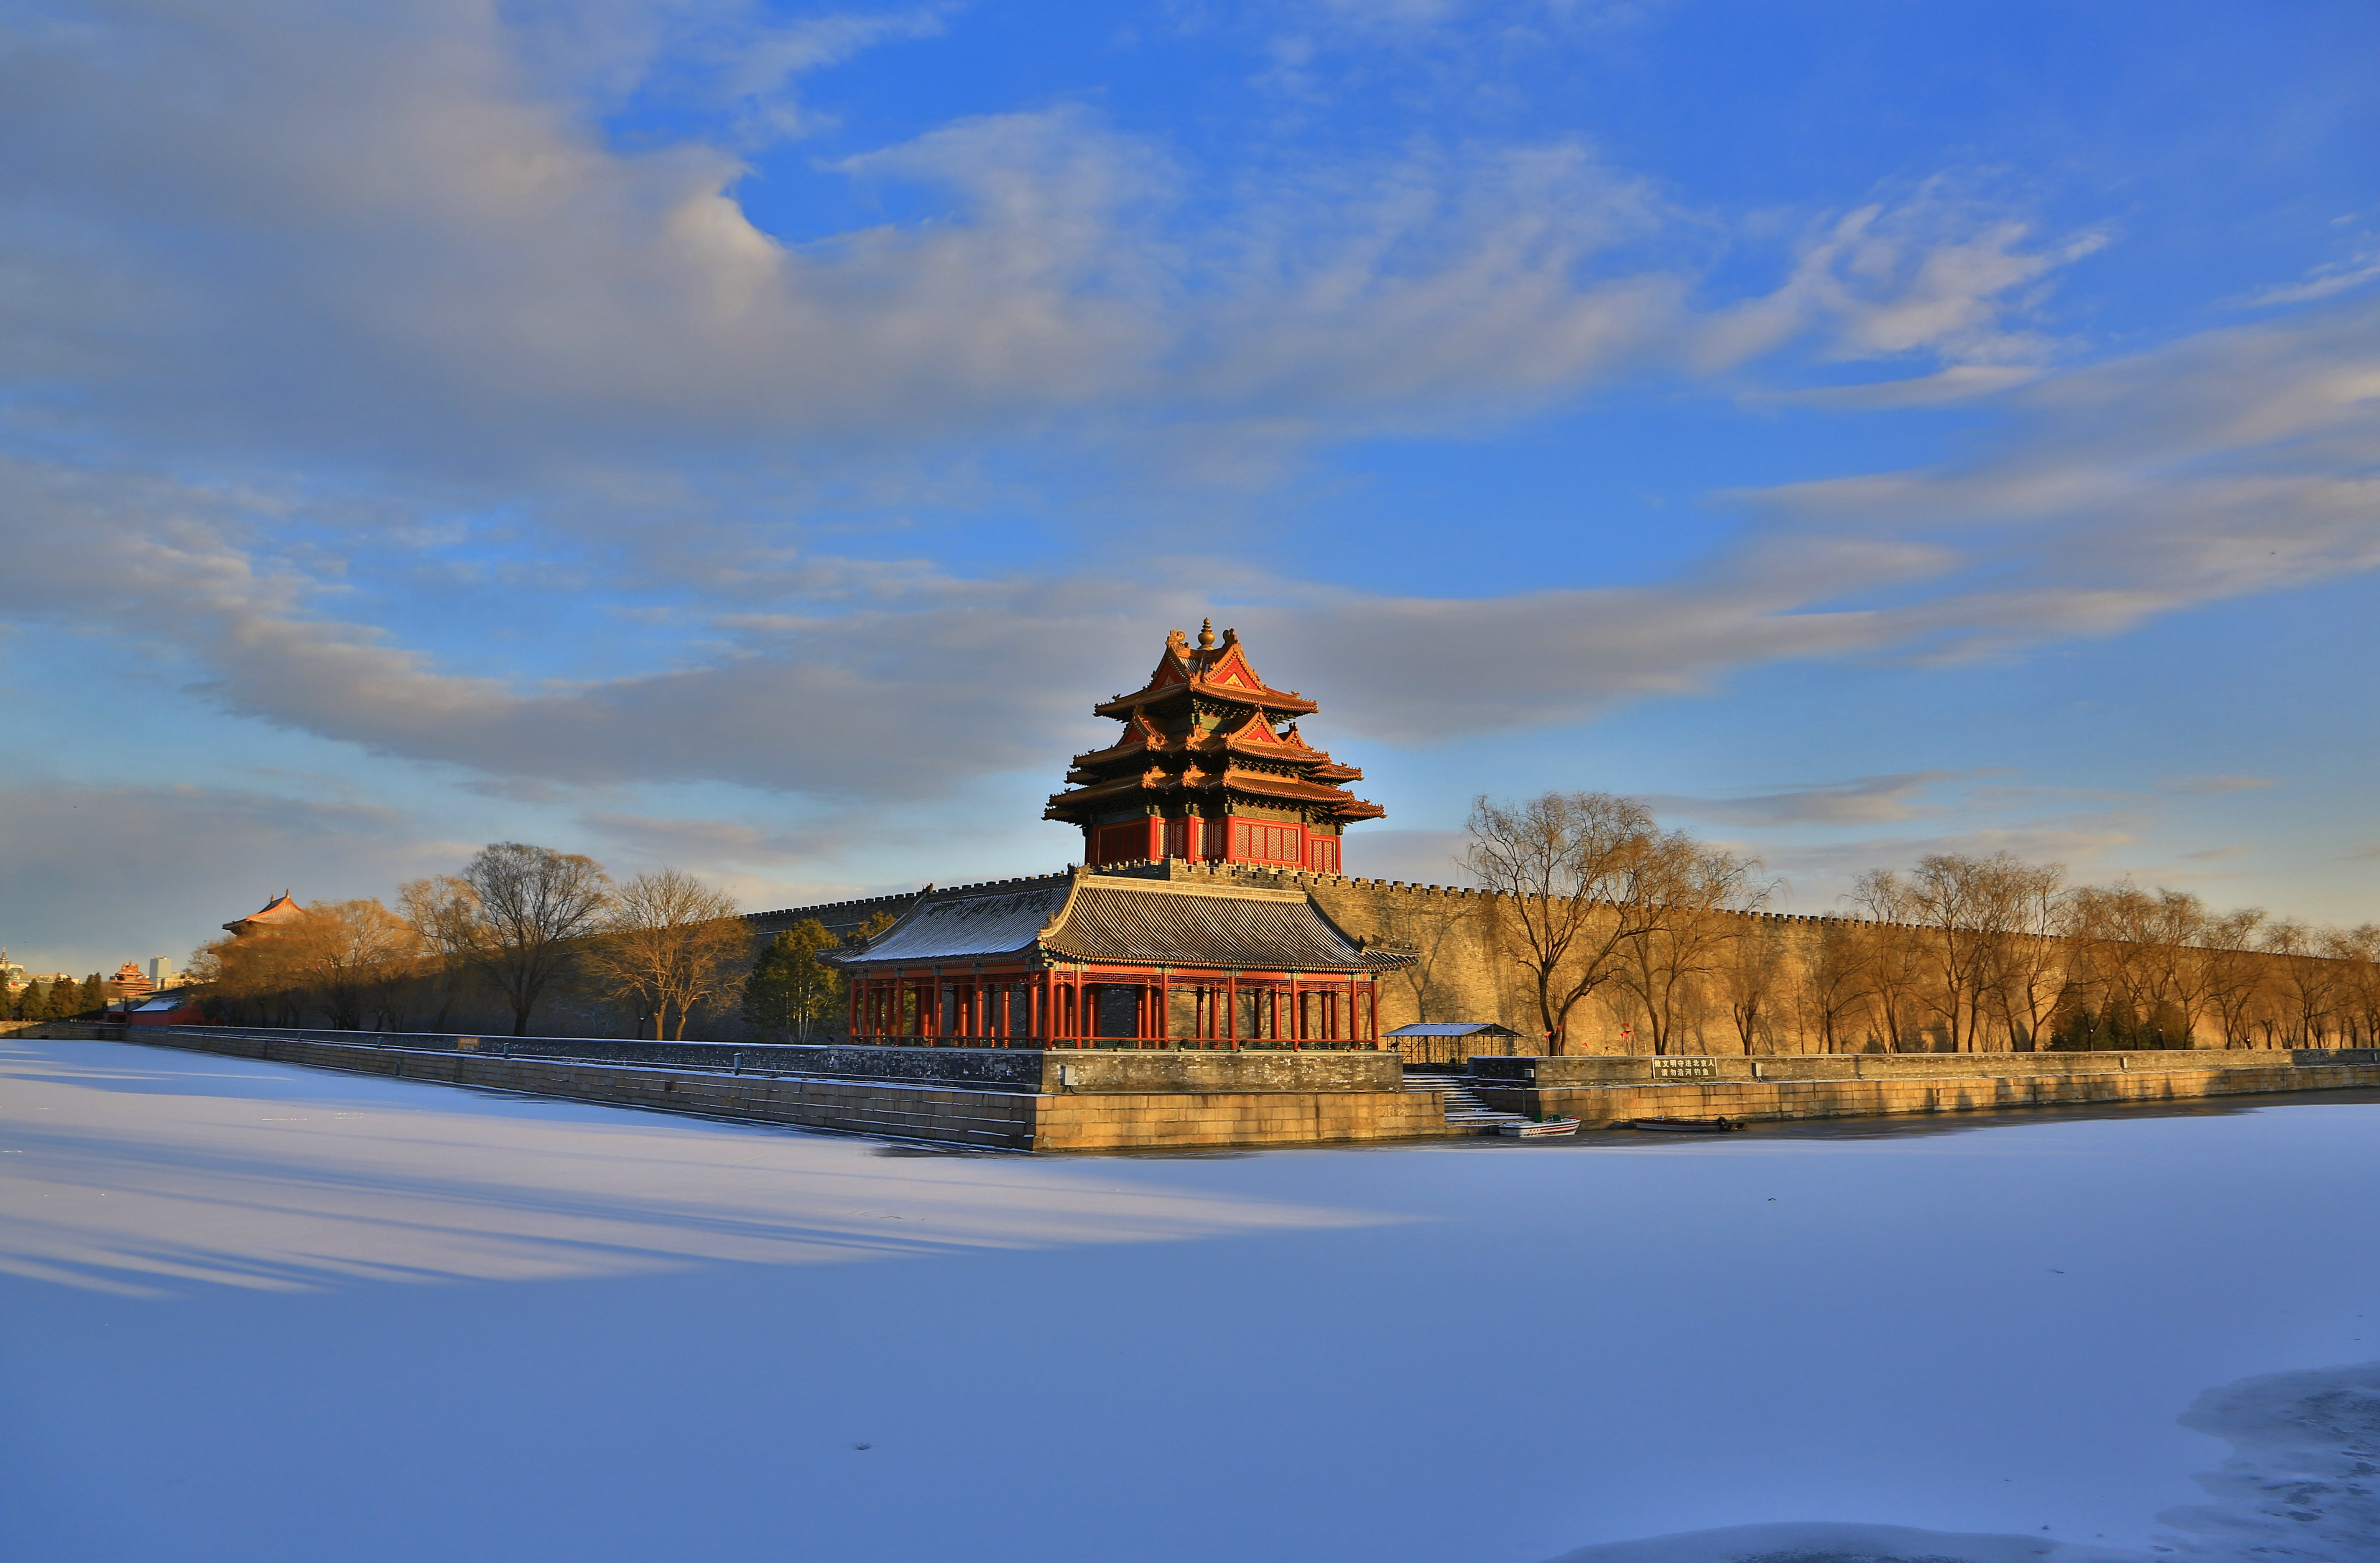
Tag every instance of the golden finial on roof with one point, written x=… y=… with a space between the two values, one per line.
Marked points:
x=1206 y=635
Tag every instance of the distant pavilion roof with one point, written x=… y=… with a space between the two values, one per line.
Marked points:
x=1453 y=1028
x=280 y=910
x=1115 y=920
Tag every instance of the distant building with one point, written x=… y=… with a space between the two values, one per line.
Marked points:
x=274 y=915
x=167 y=1009
x=130 y=982
x=160 y=971
x=1162 y=937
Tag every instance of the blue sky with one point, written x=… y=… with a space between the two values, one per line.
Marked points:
x=750 y=437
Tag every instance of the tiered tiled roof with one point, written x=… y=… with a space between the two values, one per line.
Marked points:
x=1202 y=733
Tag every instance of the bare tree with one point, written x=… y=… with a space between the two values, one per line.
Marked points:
x=2308 y=981
x=534 y=908
x=1752 y=975
x=1897 y=980
x=2357 y=950
x=1422 y=927
x=352 y=950
x=1836 y=978
x=445 y=915
x=2026 y=966
x=669 y=943
x=1667 y=966
x=1960 y=913
x=1588 y=875
x=2235 y=973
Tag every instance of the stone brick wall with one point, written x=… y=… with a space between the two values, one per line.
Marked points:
x=1756 y=1100
x=1278 y=1100
x=1285 y=1099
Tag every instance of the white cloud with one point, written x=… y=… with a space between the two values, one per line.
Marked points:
x=1935 y=272
x=155 y=870
x=1865 y=800
x=405 y=242
x=2225 y=465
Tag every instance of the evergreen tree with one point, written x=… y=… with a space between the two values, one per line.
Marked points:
x=2072 y=1026
x=791 y=989
x=93 y=996
x=28 y=1003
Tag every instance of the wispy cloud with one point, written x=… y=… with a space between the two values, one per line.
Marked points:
x=2223 y=465
x=1866 y=800
x=2211 y=784
x=154 y=868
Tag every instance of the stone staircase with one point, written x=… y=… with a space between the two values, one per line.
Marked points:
x=1463 y=1107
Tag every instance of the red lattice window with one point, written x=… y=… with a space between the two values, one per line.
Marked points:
x=1255 y=842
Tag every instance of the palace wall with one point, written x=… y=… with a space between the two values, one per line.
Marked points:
x=1467 y=967
x=1468 y=945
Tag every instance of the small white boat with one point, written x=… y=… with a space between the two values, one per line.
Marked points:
x=1539 y=1129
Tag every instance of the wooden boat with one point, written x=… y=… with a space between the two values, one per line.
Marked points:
x=1686 y=1125
x=1539 y=1129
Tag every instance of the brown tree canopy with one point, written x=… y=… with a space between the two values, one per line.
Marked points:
x=533 y=908
x=669 y=943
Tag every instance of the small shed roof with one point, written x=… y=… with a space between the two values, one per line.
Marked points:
x=1455 y=1028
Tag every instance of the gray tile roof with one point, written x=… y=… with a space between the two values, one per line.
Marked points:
x=965 y=928
x=1127 y=921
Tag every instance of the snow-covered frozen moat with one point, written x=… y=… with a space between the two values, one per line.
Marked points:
x=258 y=1313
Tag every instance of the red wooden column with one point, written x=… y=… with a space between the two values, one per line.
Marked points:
x=1164 y=1028
x=1231 y=1011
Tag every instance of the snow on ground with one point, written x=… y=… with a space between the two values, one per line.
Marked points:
x=258 y=1313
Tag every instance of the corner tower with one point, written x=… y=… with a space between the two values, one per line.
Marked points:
x=1205 y=770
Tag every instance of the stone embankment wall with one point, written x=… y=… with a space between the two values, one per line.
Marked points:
x=1624 y=1069
x=1068 y=1101
x=1758 y=1100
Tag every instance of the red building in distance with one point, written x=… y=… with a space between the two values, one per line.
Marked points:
x=1204 y=771
x=1187 y=926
